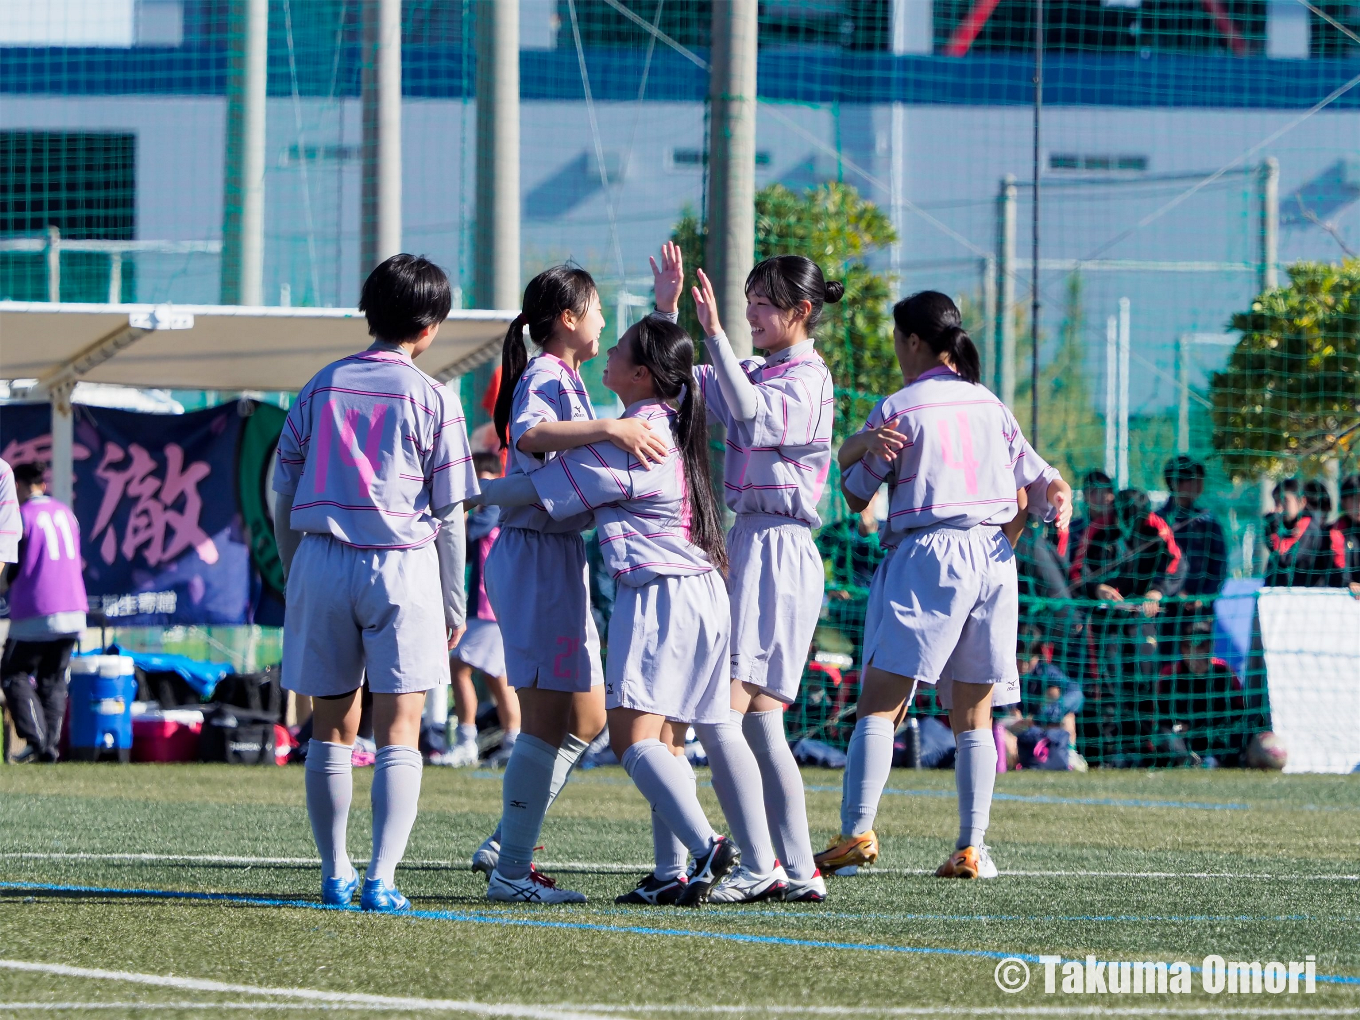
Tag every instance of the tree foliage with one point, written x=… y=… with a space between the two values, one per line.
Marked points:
x=838 y=229
x=1289 y=396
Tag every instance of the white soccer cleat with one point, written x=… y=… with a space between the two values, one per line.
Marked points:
x=744 y=886
x=536 y=888
x=806 y=890
x=487 y=856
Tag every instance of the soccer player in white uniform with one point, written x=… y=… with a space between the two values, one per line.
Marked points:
x=777 y=412
x=661 y=537
x=536 y=573
x=11 y=523
x=373 y=468
x=944 y=609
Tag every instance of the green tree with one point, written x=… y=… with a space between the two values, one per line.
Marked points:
x=1290 y=394
x=838 y=229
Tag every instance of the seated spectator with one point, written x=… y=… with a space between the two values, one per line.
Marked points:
x=1344 y=538
x=1137 y=558
x=1041 y=732
x=1097 y=490
x=1300 y=552
x=1200 y=706
x=1198 y=534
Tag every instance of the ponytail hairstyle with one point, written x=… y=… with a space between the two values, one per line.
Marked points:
x=935 y=318
x=549 y=294
x=789 y=280
x=667 y=352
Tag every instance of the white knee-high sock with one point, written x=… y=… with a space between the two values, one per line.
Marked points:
x=663 y=781
x=568 y=756
x=785 y=801
x=396 y=797
x=329 y=781
x=868 y=762
x=975 y=779
x=736 y=781
x=671 y=855
x=524 y=802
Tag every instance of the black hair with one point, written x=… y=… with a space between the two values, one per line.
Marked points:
x=403 y=296
x=31 y=473
x=1096 y=480
x=1318 y=497
x=1182 y=469
x=487 y=462
x=1290 y=485
x=1197 y=631
x=1132 y=505
x=1350 y=486
x=549 y=294
x=1031 y=642
x=789 y=280
x=935 y=318
x=667 y=352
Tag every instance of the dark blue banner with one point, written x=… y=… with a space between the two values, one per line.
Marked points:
x=174 y=517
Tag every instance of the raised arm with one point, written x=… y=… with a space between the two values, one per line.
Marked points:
x=737 y=390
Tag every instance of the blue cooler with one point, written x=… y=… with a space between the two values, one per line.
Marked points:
x=99 y=702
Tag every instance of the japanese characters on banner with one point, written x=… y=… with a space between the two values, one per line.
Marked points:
x=174 y=510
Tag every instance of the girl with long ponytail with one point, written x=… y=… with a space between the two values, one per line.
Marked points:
x=535 y=574
x=777 y=414
x=661 y=535
x=944 y=606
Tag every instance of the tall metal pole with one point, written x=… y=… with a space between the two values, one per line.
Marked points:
x=1112 y=397
x=242 y=280
x=1123 y=467
x=989 y=322
x=1268 y=272
x=1034 y=255
x=1005 y=272
x=380 y=208
x=496 y=282
x=732 y=163
x=53 y=263
x=1183 y=394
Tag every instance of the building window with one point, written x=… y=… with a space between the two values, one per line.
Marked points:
x=82 y=183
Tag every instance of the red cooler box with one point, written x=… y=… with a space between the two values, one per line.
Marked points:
x=170 y=735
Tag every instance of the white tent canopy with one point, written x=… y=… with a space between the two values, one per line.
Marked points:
x=203 y=347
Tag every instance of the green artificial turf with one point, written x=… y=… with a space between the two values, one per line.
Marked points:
x=1122 y=865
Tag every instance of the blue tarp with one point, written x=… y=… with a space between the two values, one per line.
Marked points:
x=203 y=677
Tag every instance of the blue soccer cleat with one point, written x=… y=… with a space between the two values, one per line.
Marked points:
x=383 y=898
x=339 y=892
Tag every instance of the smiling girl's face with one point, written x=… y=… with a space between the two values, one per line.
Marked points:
x=581 y=334
x=774 y=328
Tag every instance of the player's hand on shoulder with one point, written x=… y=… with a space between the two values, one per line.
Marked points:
x=668 y=279
x=885 y=441
x=635 y=437
x=1060 y=498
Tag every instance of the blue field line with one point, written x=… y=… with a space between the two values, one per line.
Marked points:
x=1025 y=798
x=498 y=919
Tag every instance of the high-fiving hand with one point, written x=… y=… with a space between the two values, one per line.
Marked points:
x=706 y=305
x=668 y=279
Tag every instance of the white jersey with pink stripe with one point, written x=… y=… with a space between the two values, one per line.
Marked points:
x=11 y=526
x=642 y=515
x=778 y=462
x=963 y=462
x=370 y=449
x=549 y=390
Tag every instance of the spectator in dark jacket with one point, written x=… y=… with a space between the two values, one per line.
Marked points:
x=1136 y=558
x=1198 y=534
x=1097 y=491
x=1300 y=550
x=1200 y=701
x=1344 y=538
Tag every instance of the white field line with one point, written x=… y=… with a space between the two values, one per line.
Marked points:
x=314 y=995
x=620 y=869
x=612 y=1012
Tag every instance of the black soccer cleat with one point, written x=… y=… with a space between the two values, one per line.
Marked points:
x=708 y=870
x=655 y=892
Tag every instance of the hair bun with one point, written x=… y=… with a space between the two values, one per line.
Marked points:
x=835 y=290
